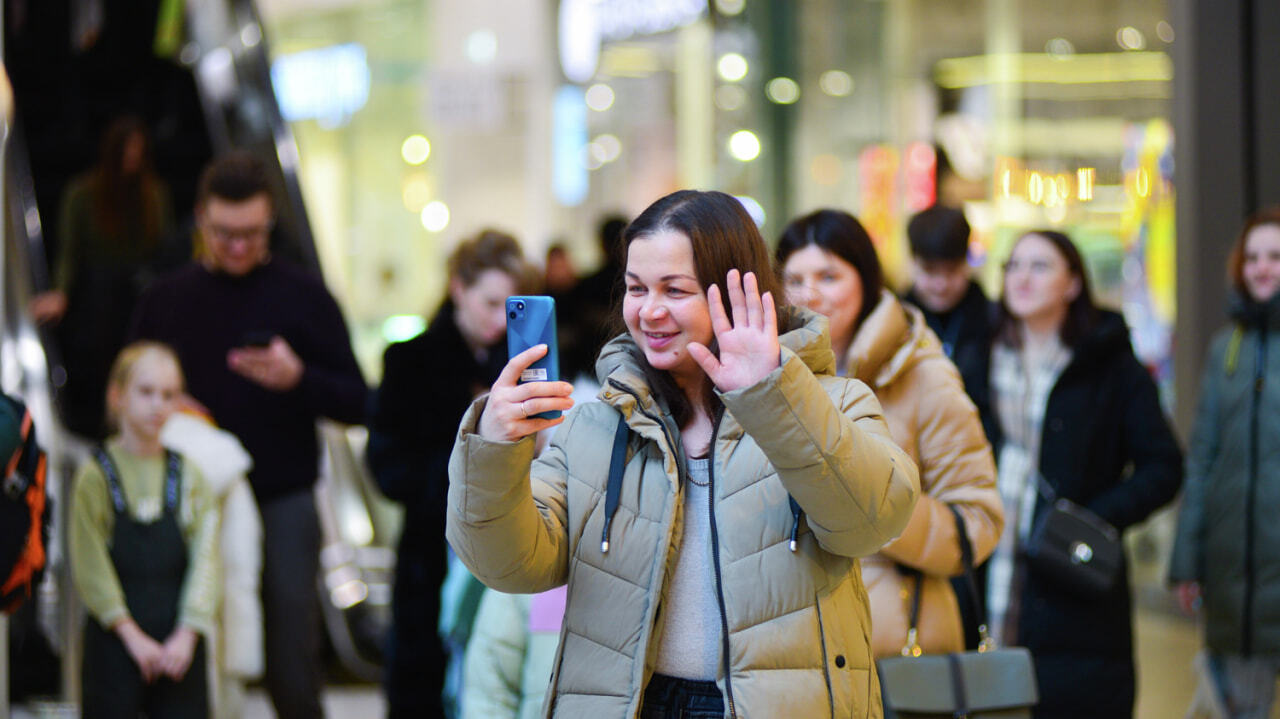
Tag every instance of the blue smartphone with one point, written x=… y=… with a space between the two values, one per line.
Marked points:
x=531 y=320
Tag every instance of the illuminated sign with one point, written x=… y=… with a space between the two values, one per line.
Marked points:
x=583 y=24
x=328 y=84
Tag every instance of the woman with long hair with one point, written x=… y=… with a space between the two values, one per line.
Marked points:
x=427 y=383
x=719 y=574
x=828 y=264
x=1227 y=551
x=111 y=229
x=1072 y=415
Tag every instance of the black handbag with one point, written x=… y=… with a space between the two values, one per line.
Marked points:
x=990 y=683
x=1074 y=548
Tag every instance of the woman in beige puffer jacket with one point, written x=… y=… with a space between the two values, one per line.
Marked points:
x=828 y=264
x=801 y=478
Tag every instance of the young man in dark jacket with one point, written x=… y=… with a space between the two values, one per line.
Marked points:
x=954 y=304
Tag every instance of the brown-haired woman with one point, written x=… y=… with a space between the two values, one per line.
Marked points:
x=427 y=383
x=1070 y=405
x=720 y=576
x=111 y=227
x=1228 y=542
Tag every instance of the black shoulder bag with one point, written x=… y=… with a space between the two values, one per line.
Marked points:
x=1074 y=548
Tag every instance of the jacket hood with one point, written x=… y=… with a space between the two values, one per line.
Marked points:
x=1108 y=337
x=1242 y=309
x=805 y=335
x=890 y=341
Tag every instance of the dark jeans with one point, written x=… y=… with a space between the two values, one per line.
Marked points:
x=670 y=698
x=291 y=605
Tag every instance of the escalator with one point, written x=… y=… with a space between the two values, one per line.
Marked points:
x=214 y=96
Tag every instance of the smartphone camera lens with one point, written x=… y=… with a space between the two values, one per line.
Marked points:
x=512 y=315
x=519 y=305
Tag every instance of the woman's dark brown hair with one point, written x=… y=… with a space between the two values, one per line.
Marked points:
x=1082 y=313
x=723 y=237
x=127 y=201
x=1235 y=262
x=842 y=235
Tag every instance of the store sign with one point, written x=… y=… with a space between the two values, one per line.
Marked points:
x=466 y=99
x=621 y=19
x=328 y=84
x=584 y=24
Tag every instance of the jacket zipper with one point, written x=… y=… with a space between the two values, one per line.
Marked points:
x=1259 y=377
x=715 y=560
x=715 y=536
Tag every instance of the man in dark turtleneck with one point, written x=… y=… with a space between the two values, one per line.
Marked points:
x=266 y=350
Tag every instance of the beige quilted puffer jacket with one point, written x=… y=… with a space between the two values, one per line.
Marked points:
x=931 y=417
x=798 y=626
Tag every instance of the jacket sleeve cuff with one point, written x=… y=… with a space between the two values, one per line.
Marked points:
x=476 y=489
x=110 y=616
x=202 y=625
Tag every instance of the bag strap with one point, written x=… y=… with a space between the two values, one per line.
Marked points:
x=173 y=477
x=1046 y=490
x=17 y=479
x=912 y=647
x=613 y=491
x=958 y=693
x=985 y=642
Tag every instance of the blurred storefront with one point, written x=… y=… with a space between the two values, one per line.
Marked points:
x=538 y=119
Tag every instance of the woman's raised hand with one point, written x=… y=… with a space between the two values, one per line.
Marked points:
x=509 y=413
x=749 y=348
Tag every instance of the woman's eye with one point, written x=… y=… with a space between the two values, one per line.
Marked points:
x=828 y=277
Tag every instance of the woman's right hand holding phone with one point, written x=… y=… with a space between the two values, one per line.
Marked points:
x=509 y=414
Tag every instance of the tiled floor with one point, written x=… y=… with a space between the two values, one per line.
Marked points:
x=1166 y=644
x=346 y=702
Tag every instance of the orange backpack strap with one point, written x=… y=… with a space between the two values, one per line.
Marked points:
x=31 y=562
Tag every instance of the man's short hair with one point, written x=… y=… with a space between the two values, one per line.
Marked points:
x=939 y=233
x=235 y=177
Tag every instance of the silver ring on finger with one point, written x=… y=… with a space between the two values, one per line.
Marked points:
x=523 y=409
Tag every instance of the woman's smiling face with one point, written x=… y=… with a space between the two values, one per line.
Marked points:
x=665 y=307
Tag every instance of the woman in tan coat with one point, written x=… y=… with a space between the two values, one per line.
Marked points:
x=828 y=264
x=717 y=575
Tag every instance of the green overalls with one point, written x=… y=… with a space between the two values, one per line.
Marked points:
x=151 y=563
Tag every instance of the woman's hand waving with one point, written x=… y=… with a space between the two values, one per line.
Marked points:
x=509 y=414
x=749 y=348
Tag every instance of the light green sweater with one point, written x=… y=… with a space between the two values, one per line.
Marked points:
x=93 y=521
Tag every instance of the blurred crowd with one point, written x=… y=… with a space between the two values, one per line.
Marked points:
x=786 y=460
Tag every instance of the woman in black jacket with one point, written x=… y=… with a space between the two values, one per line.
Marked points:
x=427 y=384
x=1069 y=403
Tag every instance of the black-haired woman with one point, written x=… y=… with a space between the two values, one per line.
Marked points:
x=829 y=264
x=725 y=580
x=1073 y=415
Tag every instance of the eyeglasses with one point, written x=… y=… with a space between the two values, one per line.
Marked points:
x=222 y=233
